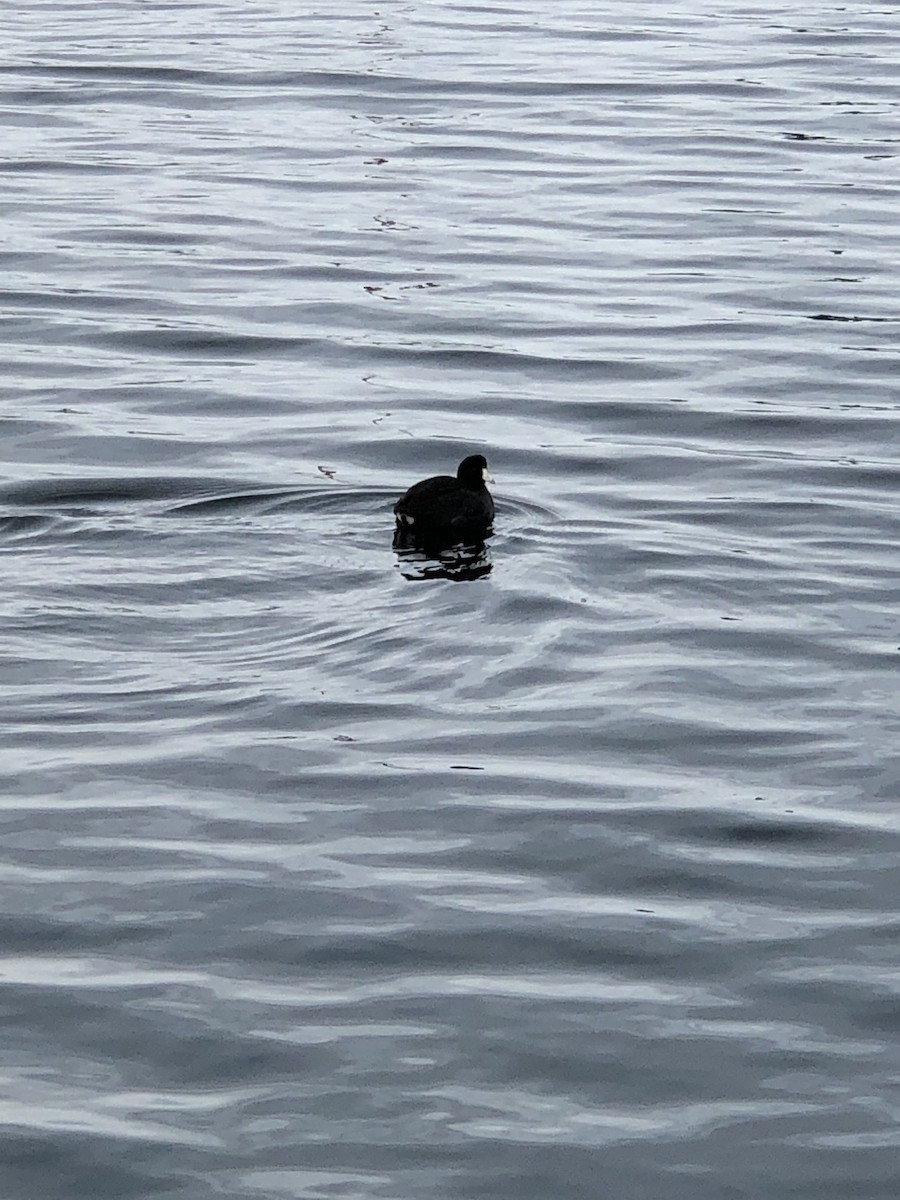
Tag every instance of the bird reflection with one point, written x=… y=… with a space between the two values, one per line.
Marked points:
x=419 y=559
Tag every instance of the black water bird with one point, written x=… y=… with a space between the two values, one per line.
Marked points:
x=445 y=507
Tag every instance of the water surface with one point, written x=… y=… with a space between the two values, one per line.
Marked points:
x=577 y=876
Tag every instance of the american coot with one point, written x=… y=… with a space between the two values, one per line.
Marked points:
x=443 y=506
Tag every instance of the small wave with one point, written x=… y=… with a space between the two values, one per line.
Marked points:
x=104 y=491
x=24 y=527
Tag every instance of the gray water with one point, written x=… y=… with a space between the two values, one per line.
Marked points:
x=576 y=879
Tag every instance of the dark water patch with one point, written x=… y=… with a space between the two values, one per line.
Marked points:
x=61 y=299
x=71 y=70
x=338 y=272
x=26 y=934
x=38 y=166
x=567 y=367
x=140 y=237
x=370 y=84
x=24 y=527
x=781 y=832
x=216 y=406
x=102 y=492
x=175 y=340
x=67 y=1160
x=789 y=832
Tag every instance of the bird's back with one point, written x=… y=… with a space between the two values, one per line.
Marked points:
x=444 y=501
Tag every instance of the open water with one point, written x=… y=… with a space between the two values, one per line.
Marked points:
x=578 y=878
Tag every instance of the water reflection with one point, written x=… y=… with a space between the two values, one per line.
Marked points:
x=419 y=559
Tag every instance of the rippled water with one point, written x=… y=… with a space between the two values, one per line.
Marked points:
x=577 y=878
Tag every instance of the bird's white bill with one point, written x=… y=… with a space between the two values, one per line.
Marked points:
x=487 y=476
